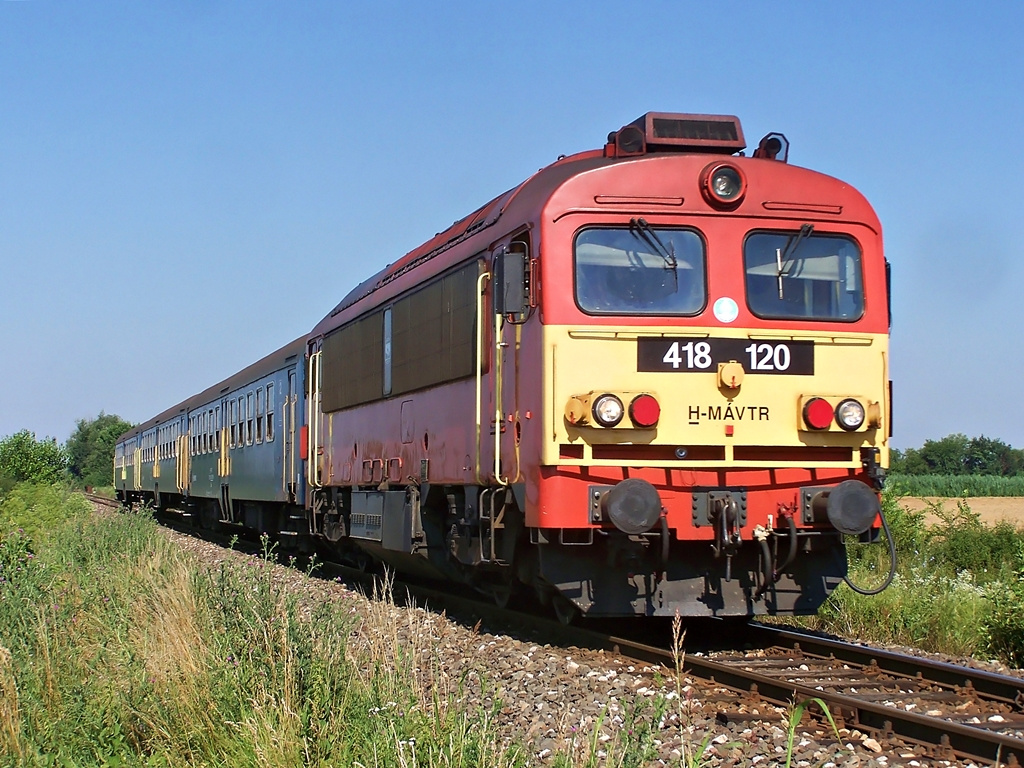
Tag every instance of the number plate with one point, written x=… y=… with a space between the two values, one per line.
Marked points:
x=791 y=358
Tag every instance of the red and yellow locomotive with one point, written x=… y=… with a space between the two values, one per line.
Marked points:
x=652 y=378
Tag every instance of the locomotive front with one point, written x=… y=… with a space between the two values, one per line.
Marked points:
x=710 y=376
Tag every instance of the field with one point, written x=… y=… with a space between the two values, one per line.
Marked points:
x=990 y=509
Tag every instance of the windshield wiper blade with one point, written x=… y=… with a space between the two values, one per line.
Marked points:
x=784 y=256
x=645 y=232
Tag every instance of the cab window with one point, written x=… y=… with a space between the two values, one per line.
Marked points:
x=803 y=275
x=639 y=270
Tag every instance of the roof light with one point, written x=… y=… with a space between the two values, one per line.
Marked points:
x=723 y=185
x=774 y=146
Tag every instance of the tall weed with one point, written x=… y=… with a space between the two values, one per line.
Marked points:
x=38 y=510
x=957 y=589
x=119 y=649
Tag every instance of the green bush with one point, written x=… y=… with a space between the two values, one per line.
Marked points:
x=25 y=459
x=37 y=510
x=1003 y=628
x=958 y=586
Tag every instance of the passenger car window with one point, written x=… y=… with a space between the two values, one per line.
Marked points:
x=639 y=270
x=803 y=275
x=270 y=411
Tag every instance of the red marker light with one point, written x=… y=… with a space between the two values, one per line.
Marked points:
x=818 y=414
x=645 y=410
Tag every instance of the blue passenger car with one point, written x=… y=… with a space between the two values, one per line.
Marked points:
x=229 y=454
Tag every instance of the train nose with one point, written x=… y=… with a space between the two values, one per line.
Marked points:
x=633 y=506
x=852 y=507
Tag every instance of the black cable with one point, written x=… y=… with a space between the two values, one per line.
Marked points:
x=892 y=563
x=768 y=577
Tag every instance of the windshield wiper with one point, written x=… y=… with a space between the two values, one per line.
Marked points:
x=784 y=256
x=643 y=231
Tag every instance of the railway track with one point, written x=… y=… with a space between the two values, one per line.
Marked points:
x=943 y=710
x=946 y=710
x=953 y=710
x=103 y=501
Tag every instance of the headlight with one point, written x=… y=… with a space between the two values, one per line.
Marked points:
x=723 y=185
x=850 y=415
x=726 y=184
x=608 y=410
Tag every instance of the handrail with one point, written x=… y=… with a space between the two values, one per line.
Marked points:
x=313 y=421
x=479 y=371
x=498 y=415
x=286 y=441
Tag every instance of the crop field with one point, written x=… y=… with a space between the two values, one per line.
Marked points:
x=989 y=509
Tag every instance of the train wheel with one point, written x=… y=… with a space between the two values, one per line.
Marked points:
x=363 y=562
x=502 y=595
x=565 y=609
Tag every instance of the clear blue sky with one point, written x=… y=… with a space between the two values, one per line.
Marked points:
x=260 y=158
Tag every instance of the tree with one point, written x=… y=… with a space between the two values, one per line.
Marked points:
x=91 y=448
x=25 y=459
x=959 y=455
x=946 y=456
x=990 y=456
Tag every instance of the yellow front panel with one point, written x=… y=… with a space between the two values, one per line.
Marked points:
x=697 y=409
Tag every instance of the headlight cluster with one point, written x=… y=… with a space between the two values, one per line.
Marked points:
x=819 y=414
x=609 y=410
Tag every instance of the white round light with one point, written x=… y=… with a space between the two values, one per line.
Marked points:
x=850 y=415
x=726 y=310
x=608 y=410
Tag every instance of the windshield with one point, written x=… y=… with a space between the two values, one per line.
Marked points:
x=803 y=275
x=640 y=270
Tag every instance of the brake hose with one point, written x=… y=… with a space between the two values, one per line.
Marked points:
x=772 y=578
x=892 y=563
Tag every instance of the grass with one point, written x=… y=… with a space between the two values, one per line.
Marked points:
x=958 y=588
x=119 y=650
x=957 y=486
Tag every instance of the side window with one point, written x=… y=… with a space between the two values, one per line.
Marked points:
x=387 y=351
x=270 y=411
x=259 y=414
x=233 y=419
x=241 y=420
x=250 y=413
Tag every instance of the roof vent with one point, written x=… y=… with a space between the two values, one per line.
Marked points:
x=668 y=132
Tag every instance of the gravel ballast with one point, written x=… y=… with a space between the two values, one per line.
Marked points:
x=580 y=702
